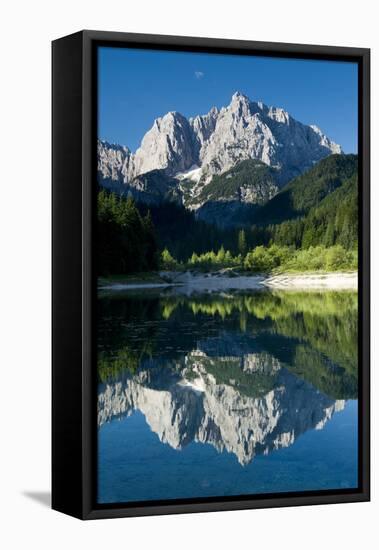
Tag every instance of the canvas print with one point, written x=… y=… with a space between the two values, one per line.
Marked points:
x=226 y=258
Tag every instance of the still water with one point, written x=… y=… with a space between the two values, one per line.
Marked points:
x=225 y=394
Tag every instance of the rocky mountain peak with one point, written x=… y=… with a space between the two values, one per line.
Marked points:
x=217 y=141
x=240 y=105
x=279 y=115
x=213 y=112
x=239 y=98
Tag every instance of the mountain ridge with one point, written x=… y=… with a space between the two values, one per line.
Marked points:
x=205 y=411
x=308 y=190
x=194 y=150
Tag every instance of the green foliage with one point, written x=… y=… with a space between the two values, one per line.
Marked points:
x=309 y=189
x=178 y=230
x=242 y=245
x=318 y=208
x=318 y=333
x=228 y=371
x=272 y=259
x=313 y=227
x=167 y=261
x=110 y=366
x=126 y=240
x=220 y=258
x=210 y=260
x=266 y=259
x=333 y=221
x=313 y=335
x=249 y=174
x=155 y=185
x=321 y=258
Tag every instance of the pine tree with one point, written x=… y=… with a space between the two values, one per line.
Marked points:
x=151 y=257
x=220 y=258
x=242 y=247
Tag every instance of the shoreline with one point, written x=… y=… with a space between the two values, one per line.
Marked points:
x=333 y=281
x=190 y=282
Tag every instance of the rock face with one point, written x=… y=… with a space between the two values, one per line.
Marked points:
x=230 y=198
x=191 y=405
x=214 y=143
x=112 y=161
x=246 y=129
x=168 y=146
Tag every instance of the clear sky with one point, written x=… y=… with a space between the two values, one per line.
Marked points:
x=137 y=86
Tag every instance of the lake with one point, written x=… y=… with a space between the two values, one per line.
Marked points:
x=223 y=394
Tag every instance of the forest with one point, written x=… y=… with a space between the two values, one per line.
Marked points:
x=311 y=225
x=126 y=239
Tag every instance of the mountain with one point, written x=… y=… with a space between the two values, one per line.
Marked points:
x=318 y=208
x=249 y=181
x=247 y=129
x=112 y=162
x=332 y=221
x=231 y=198
x=308 y=190
x=195 y=152
x=193 y=405
x=335 y=219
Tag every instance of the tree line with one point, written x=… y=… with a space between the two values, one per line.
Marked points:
x=268 y=259
x=134 y=238
x=126 y=240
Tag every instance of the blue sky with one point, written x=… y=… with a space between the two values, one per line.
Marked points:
x=137 y=86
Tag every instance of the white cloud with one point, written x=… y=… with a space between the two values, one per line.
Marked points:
x=199 y=75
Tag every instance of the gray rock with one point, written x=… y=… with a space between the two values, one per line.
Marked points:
x=181 y=410
x=215 y=143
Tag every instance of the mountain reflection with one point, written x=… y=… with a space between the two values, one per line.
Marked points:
x=246 y=373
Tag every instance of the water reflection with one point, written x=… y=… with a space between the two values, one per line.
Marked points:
x=246 y=373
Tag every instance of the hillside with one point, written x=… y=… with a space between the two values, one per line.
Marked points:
x=308 y=190
x=249 y=181
x=333 y=220
x=231 y=198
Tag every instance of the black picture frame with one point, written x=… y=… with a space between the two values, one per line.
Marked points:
x=74 y=137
